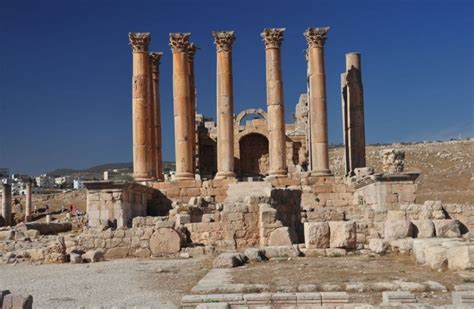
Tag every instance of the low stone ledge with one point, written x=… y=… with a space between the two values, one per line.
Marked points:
x=463 y=298
x=398 y=297
x=334 y=298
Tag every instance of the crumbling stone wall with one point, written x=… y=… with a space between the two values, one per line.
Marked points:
x=116 y=203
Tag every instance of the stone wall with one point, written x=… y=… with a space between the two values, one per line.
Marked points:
x=116 y=204
x=184 y=190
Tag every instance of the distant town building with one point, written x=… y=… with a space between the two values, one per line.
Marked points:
x=4 y=172
x=44 y=181
x=78 y=184
x=63 y=181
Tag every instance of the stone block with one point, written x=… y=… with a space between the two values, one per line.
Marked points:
x=229 y=260
x=336 y=252
x=308 y=298
x=436 y=257
x=334 y=298
x=448 y=228
x=283 y=236
x=397 y=229
x=255 y=254
x=213 y=306
x=378 y=246
x=3 y=293
x=117 y=252
x=16 y=301
x=423 y=228
x=93 y=256
x=396 y=215
x=463 y=298
x=404 y=245
x=281 y=251
x=258 y=299
x=283 y=299
x=343 y=234
x=326 y=214
x=165 y=241
x=182 y=218
x=316 y=235
x=398 y=297
x=75 y=258
x=461 y=257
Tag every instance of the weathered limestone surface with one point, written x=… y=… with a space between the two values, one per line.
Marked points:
x=316 y=235
x=398 y=229
x=155 y=58
x=225 y=104
x=461 y=258
x=447 y=228
x=165 y=241
x=282 y=236
x=28 y=203
x=424 y=228
x=179 y=43
x=316 y=38
x=343 y=234
x=353 y=114
x=273 y=37
x=393 y=160
x=140 y=93
x=7 y=204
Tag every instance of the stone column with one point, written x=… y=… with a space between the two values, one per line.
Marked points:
x=190 y=52
x=7 y=203
x=151 y=127
x=316 y=38
x=179 y=43
x=273 y=38
x=225 y=104
x=139 y=42
x=28 y=203
x=353 y=114
x=155 y=62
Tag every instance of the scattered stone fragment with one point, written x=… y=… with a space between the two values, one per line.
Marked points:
x=229 y=260
x=283 y=236
x=93 y=256
x=165 y=241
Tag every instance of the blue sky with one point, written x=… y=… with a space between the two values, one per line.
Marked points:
x=65 y=95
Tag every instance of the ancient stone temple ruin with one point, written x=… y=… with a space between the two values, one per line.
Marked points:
x=249 y=179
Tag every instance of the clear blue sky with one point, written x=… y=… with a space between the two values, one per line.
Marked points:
x=65 y=69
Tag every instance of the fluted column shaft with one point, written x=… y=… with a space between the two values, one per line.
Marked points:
x=28 y=203
x=184 y=160
x=155 y=62
x=225 y=105
x=317 y=101
x=151 y=134
x=191 y=51
x=7 y=203
x=139 y=42
x=276 y=113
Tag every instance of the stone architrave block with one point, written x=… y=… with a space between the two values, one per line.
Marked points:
x=283 y=236
x=424 y=228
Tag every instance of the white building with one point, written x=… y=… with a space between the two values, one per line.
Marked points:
x=44 y=181
x=78 y=184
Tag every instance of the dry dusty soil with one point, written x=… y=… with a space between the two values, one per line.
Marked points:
x=157 y=283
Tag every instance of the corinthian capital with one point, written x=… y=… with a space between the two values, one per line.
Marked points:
x=316 y=37
x=139 y=41
x=191 y=51
x=155 y=58
x=179 y=42
x=272 y=37
x=223 y=40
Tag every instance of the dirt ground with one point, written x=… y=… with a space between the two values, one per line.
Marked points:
x=122 y=283
x=289 y=274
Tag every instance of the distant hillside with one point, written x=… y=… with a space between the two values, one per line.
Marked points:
x=96 y=171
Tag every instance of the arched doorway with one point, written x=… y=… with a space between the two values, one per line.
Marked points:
x=254 y=159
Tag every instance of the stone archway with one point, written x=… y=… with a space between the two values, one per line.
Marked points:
x=254 y=160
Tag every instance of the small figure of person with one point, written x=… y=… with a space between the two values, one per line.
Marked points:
x=47 y=209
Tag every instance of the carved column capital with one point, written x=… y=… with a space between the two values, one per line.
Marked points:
x=155 y=58
x=223 y=40
x=272 y=37
x=191 y=51
x=139 y=41
x=179 y=42
x=316 y=37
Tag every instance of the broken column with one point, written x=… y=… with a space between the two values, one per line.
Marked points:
x=179 y=43
x=191 y=51
x=225 y=105
x=150 y=120
x=28 y=201
x=273 y=37
x=316 y=38
x=139 y=42
x=7 y=203
x=353 y=114
x=155 y=63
